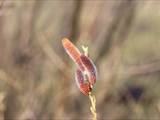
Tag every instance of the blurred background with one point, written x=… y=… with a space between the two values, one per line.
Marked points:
x=37 y=76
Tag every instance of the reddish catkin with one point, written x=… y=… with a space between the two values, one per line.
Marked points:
x=85 y=88
x=85 y=65
x=73 y=52
x=79 y=77
x=90 y=68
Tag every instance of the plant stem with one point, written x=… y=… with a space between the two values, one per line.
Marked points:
x=93 y=105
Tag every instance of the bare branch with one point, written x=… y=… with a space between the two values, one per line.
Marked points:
x=119 y=28
x=142 y=69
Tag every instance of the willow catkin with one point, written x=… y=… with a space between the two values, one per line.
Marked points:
x=90 y=69
x=73 y=52
x=86 y=68
x=84 y=87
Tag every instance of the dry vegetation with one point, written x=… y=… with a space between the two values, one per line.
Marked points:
x=37 y=78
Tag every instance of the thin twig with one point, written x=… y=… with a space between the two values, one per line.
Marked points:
x=93 y=105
